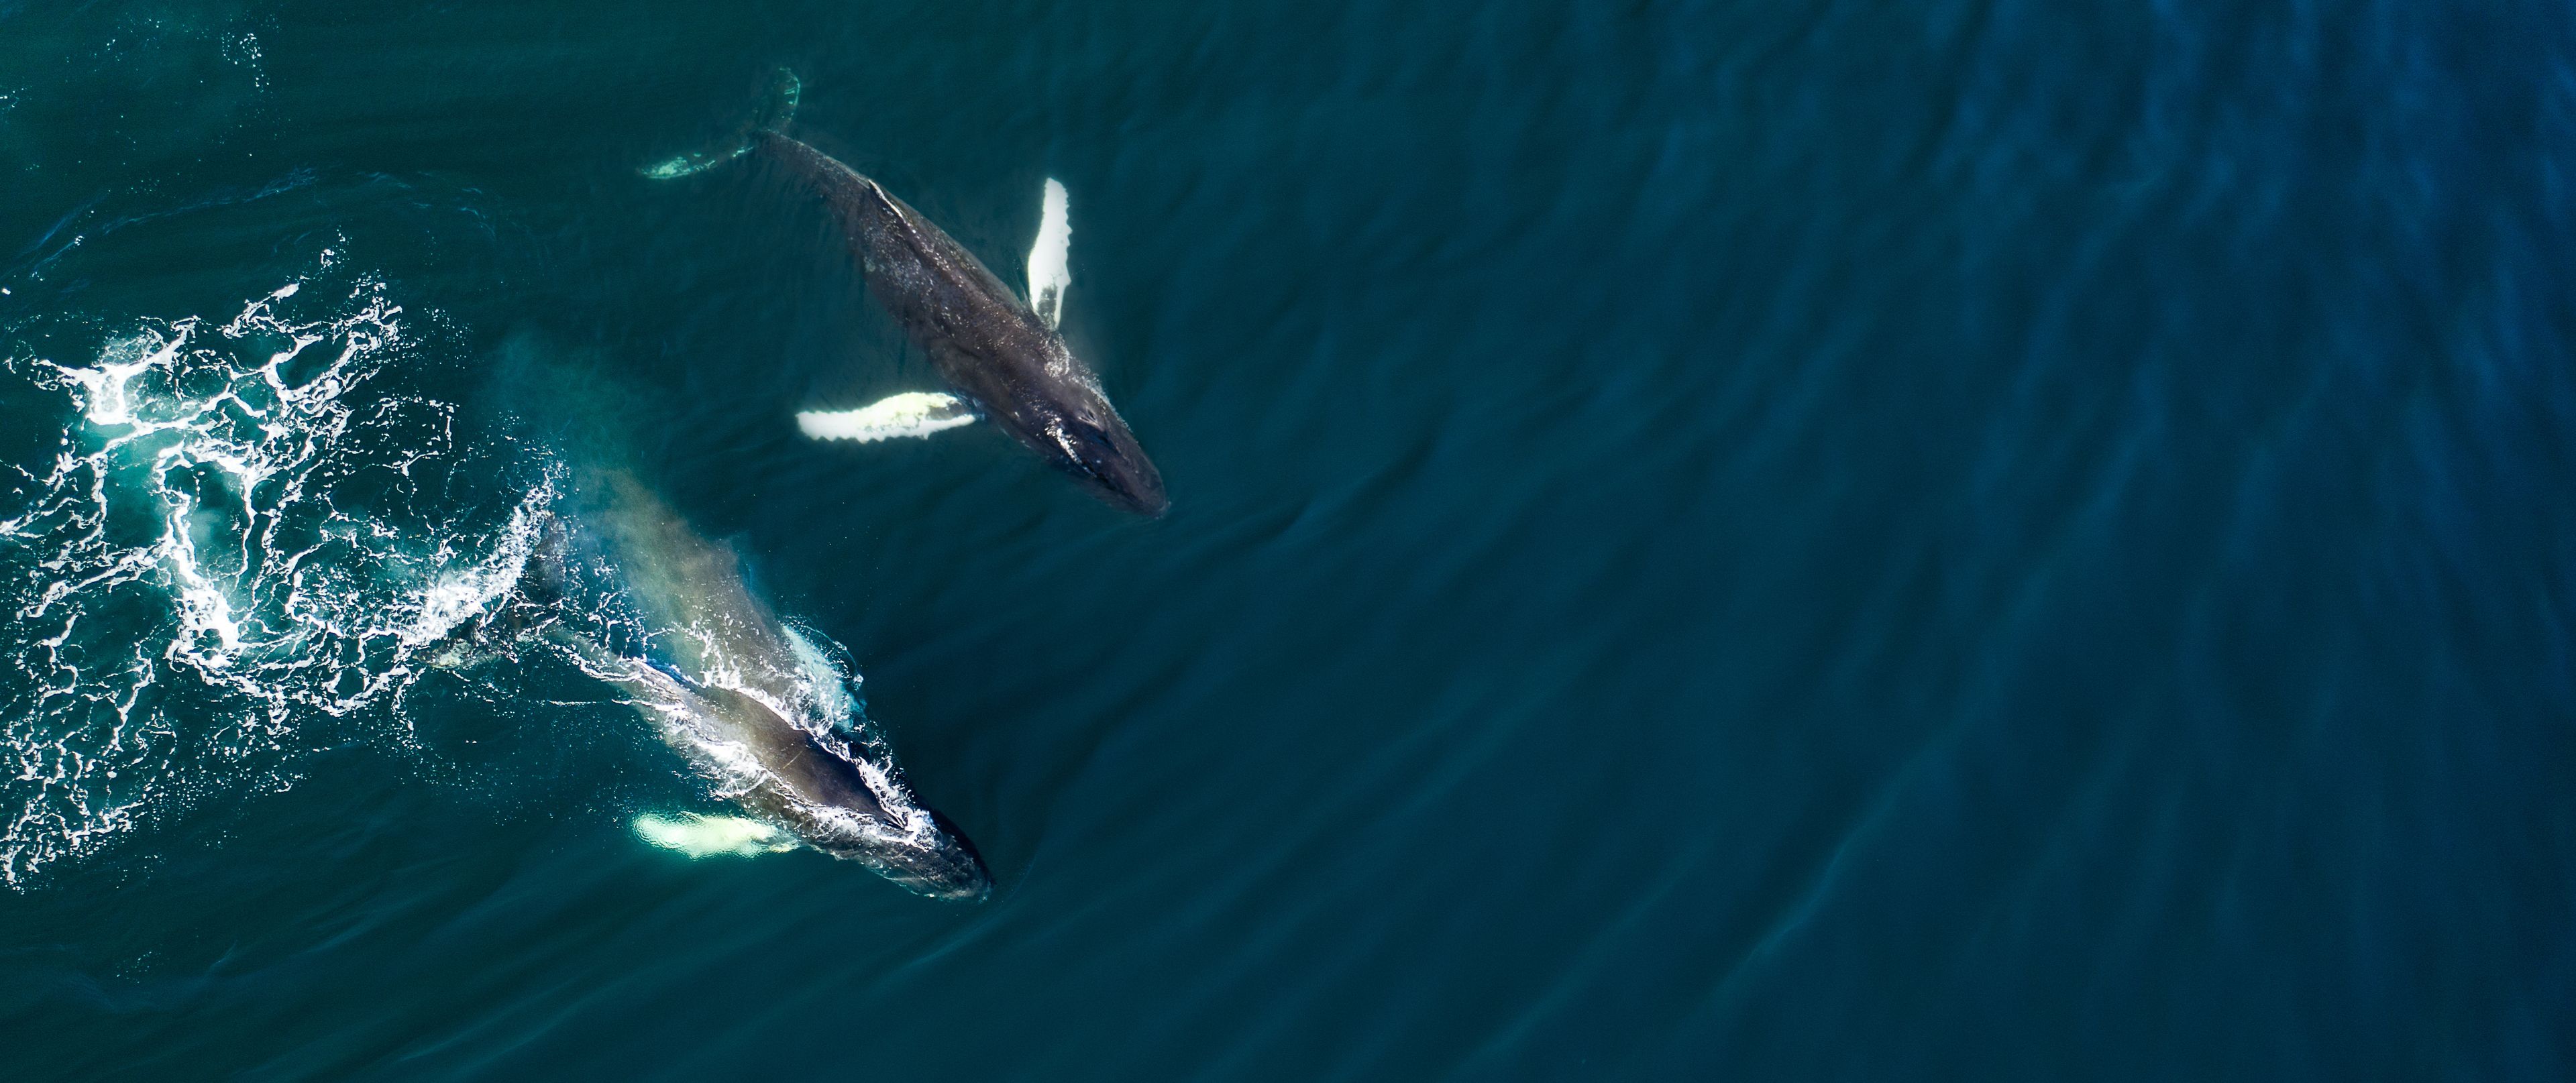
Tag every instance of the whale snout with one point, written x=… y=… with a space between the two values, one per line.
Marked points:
x=1106 y=455
x=947 y=868
x=939 y=863
x=965 y=882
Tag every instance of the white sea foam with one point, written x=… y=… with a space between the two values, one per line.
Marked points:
x=236 y=542
x=912 y=413
x=826 y=682
x=468 y=590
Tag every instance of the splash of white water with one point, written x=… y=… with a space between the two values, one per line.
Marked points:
x=244 y=532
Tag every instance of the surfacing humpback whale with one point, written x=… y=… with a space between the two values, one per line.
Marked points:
x=753 y=705
x=617 y=581
x=1002 y=356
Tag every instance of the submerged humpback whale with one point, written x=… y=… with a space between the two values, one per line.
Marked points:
x=618 y=582
x=1000 y=355
x=752 y=704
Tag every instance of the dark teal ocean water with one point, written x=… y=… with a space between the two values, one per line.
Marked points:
x=1784 y=539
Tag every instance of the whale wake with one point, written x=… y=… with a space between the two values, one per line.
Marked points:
x=244 y=538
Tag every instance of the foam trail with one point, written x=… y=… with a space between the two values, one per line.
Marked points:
x=1049 y=275
x=913 y=413
x=237 y=551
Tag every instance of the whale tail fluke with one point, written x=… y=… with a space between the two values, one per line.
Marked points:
x=776 y=107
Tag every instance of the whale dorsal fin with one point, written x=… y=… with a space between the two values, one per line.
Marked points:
x=912 y=413
x=1048 y=275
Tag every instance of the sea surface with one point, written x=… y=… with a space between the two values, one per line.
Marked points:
x=1778 y=539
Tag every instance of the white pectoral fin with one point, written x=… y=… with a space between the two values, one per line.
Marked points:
x=1048 y=273
x=913 y=413
x=700 y=835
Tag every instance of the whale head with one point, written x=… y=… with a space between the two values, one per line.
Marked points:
x=1095 y=446
x=937 y=862
x=822 y=789
x=847 y=805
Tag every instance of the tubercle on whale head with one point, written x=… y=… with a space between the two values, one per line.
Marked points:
x=959 y=872
x=1107 y=456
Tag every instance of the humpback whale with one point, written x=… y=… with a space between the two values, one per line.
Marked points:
x=619 y=583
x=752 y=704
x=1002 y=356
x=748 y=701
